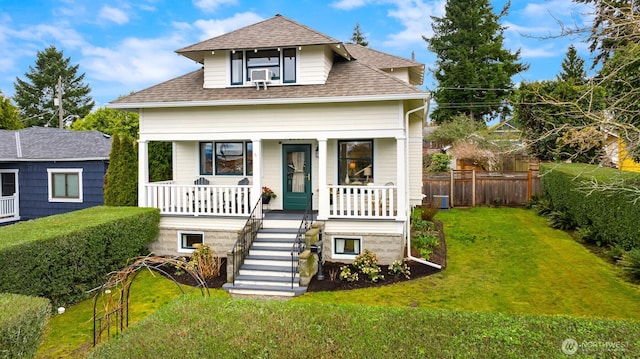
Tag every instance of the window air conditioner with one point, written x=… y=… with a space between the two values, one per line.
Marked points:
x=261 y=76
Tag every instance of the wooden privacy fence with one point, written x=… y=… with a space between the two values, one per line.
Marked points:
x=469 y=188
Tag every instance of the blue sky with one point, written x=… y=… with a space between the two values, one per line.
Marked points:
x=128 y=45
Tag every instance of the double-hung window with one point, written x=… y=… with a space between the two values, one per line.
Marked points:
x=65 y=184
x=355 y=161
x=226 y=158
x=280 y=62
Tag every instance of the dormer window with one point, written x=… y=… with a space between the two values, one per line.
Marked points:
x=281 y=64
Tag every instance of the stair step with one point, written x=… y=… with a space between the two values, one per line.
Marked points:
x=277 y=261
x=267 y=280
x=281 y=223
x=265 y=270
x=247 y=289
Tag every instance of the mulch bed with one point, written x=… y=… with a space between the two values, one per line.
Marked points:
x=332 y=270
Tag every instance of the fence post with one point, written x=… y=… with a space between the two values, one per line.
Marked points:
x=473 y=187
x=451 y=190
x=529 y=184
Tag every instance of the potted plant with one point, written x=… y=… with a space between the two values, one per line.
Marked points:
x=267 y=195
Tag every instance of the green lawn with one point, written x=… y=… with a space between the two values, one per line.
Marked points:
x=525 y=279
x=508 y=260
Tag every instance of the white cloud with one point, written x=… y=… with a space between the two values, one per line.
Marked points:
x=212 y=5
x=348 y=4
x=414 y=16
x=112 y=14
x=212 y=28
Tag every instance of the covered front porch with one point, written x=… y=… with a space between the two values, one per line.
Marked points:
x=336 y=174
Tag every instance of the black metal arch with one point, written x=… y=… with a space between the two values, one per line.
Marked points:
x=115 y=292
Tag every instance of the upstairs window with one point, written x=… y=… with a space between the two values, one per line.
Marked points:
x=281 y=63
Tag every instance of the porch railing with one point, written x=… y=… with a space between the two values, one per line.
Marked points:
x=363 y=201
x=8 y=206
x=230 y=200
x=300 y=243
x=245 y=239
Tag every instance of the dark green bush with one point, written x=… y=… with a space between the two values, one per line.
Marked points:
x=22 y=320
x=63 y=257
x=631 y=263
x=561 y=220
x=611 y=215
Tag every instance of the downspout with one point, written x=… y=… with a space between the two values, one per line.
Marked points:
x=407 y=208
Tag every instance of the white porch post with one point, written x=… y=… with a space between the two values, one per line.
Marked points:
x=256 y=190
x=143 y=172
x=323 y=191
x=401 y=173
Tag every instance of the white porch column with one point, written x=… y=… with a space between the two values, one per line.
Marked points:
x=401 y=172
x=323 y=191
x=256 y=190
x=143 y=172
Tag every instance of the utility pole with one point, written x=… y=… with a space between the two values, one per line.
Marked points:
x=61 y=124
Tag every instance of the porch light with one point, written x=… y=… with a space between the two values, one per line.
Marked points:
x=317 y=151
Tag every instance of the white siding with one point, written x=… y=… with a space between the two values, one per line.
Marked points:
x=402 y=74
x=312 y=65
x=271 y=121
x=216 y=69
x=384 y=161
x=187 y=169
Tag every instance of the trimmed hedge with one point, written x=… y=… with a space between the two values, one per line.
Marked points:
x=22 y=320
x=611 y=217
x=62 y=257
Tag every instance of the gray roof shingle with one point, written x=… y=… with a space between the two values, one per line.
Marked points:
x=277 y=31
x=347 y=78
x=47 y=143
x=381 y=60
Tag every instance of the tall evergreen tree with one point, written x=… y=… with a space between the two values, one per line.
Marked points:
x=35 y=95
x=358 y=37
x=9 y=115
x=573 y=67
x=473 y=69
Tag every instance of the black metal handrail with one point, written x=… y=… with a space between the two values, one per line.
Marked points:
x=299 y=244
x=245 y=239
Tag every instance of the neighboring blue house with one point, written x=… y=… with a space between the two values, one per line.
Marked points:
x=46 y=171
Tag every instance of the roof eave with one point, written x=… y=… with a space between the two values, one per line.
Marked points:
x=277 y=101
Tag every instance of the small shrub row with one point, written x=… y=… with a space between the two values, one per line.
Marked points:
x=424 y=232
x=365 y=263
x=62 y=257
x=22 y=321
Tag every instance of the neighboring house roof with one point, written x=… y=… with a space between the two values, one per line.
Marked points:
x=384 y=61
x=277 y=31
x=47 y=143
x=346 y=79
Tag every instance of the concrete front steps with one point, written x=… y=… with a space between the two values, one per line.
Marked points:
x=266 y=270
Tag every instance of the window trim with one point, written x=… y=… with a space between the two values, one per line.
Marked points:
x=277 y=79
x=336 y=255
x=341 y=174
x=182 y=249
x=246 y=170
x=77 y=171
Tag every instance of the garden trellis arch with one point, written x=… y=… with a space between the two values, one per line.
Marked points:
x=115 y=292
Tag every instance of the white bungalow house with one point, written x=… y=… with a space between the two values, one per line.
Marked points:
x=331 y=127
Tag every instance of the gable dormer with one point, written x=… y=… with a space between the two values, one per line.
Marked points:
x=277 y=51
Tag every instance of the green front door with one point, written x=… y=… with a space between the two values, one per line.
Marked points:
x=296 y=176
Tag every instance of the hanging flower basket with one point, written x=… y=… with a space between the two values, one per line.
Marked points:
x=267 y=195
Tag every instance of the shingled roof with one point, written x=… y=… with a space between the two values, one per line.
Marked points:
x=384 y=61
x=347 y=78
x=277 y=31
x=47 y=143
